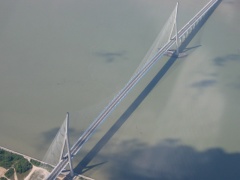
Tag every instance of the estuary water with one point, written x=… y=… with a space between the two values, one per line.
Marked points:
x=74 y=56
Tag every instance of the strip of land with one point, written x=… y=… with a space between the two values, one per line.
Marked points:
x=17 y=166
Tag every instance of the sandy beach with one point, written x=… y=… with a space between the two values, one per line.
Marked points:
x=2 y=171
x=36 y=173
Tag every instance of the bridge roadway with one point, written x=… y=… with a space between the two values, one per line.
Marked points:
x=132 y=82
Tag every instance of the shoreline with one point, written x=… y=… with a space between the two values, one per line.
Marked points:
x=35 y=171
x=24 y=155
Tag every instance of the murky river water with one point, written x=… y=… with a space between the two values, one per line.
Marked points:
x=74 y=56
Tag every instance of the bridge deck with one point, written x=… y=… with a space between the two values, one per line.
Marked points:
x=132 y=82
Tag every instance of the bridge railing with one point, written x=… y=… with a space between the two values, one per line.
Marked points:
x=196 y=18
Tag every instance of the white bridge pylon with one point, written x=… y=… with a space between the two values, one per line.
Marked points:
x=168 y=33
x=66 y=145
x=174 y=26
x=60 y=147
x=172 y=34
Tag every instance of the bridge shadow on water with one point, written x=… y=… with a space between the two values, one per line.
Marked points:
x=81 y=167
x=125 y=172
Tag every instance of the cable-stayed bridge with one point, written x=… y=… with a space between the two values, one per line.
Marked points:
x=174 y=37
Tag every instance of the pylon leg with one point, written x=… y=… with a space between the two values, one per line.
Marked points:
x=68 y=147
